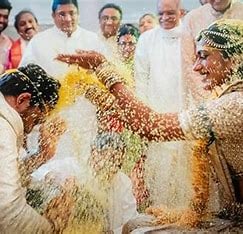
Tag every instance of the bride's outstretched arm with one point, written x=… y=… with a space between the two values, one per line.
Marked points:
x=137 y=116
x=143 y=120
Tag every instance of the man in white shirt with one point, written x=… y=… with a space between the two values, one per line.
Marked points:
x=65 y=37
x=157 y=78
x=110 y=16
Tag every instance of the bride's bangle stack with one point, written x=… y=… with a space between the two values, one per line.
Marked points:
x=107 y=74
x=100 y=98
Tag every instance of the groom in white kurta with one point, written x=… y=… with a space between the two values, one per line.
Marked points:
x=158 y=77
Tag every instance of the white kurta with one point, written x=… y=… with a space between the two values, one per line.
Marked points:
x=200 y=18
x=157 y=68
x=122 y=203
x=16 y=216
x=74 y=146
x=119 y=201
x=157 y=78
x=110 y=47
x=45 y=46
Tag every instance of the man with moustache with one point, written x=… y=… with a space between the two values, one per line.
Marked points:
x=5 y=41
x=110 y=16
x=64 y=37
x=157 y=83
x=27 y=26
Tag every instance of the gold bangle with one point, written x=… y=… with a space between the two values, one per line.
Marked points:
x=100 y=98
x=108 y=75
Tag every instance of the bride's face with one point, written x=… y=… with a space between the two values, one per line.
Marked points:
x=212 y=66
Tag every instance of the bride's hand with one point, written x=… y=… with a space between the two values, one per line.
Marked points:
x=106 y=72
x=86 y=59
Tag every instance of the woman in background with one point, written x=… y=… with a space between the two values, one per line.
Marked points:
x=127 y=39
x=147 y=22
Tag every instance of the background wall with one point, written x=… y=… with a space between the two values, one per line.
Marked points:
x=132 y=10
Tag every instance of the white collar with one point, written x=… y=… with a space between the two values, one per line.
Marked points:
x=101 y=36
x=12 y=116
x=63 y=34
x=171 y=33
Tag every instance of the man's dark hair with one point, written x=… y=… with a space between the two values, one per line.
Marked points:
x=5 y=4
x=18 y=16
x=128 y=29
x=56 y=3
x=34 y=80
x=113 y=6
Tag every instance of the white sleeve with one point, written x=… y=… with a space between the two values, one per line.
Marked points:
x=99 y=45
x=128 y=202
x=142 y=68
x=29 y=54
x=16 y=216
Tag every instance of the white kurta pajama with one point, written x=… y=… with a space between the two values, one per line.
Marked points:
x=157 y=78
x=110 y=47
x=16 y=216
x=157 y=68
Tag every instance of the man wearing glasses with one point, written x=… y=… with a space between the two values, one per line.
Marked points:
x=64 y=37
